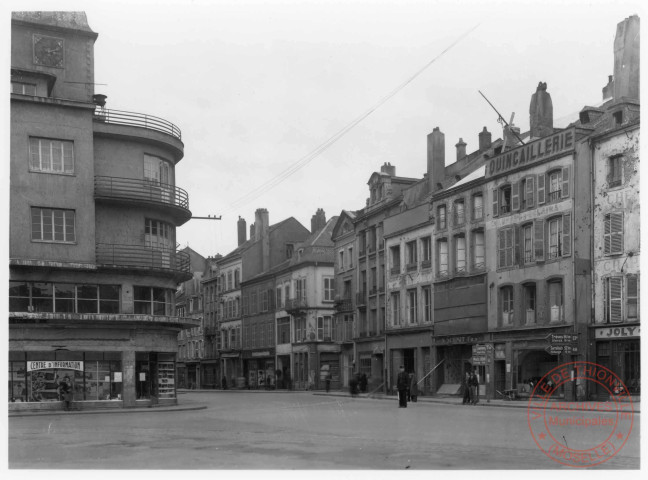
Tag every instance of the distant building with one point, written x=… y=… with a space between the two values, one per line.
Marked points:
x=92 y=230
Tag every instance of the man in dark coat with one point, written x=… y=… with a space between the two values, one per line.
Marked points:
x=474 y=388
x=466 y=389
x=402 y=384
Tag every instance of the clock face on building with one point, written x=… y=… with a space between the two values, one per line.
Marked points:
x=48 y=51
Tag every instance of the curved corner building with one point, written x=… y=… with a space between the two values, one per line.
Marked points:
x=93 y=214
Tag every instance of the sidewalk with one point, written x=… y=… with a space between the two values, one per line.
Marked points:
x=169 y=408
x=589 y=405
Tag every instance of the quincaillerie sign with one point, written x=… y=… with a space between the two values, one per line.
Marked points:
x=51 y=365
x=558 y=143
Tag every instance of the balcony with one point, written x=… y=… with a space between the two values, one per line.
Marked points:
x=343 y=305
x=296 y=306
x=133 y=119
x=96 y=319
x=554 y=196
x=144 y=192
x=139 y=257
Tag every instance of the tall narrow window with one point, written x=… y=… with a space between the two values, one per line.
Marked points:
x=394 y=253
x=478 y=207
x=506 y=302
x=459 y=212
x=442 y=252
x=615 y=171
x=427 y=303
x=51 y=156
x=460 y=254
x=556 y=301
x=632 y=300
x=52 y=225
x=555 y=237
x=441 y=217
x=426 y=252
x=412 y=306
x=530 y=303
x=613 y=234
x=505 y=247
x=395 y=303
x=505 y=199
x=478 y=250
x=614 y=299
x=412 y=257
x=555 y=183
x=329 y=289
x=527 y=243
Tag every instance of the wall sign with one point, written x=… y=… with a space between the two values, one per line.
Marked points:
x=617 y=332
x=49 y=365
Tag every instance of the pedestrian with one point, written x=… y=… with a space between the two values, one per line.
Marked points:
x=224 y=383
x=65 y=389
x=353 y=385
x=327 y=381
x=413 y=390
x=363 y=382
x=466 y=389
x=402 y=384
x=474 y=388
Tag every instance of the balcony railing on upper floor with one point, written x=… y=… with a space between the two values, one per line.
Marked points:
x=141 y=190
x=133 y=119
x=139 y=256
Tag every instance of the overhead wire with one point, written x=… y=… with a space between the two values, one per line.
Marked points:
x=321 y=148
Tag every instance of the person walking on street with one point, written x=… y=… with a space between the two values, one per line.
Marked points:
x=327 y=382
x=466 y=389
x=413 y=389
x=66 y=393
x=402 y=384
x=474 y=388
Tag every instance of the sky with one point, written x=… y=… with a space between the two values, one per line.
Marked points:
x=257 y=86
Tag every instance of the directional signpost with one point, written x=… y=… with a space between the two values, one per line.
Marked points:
x=566 y=343
x=482 y=354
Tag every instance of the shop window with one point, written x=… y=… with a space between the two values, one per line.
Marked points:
x=395 y=304
x=506 y=303
x=442 y=254
x=505 y=247
x=478 y=207
x=459 y=212
x=530 y=303
x=478 y=251
x=51 y=156
x=412 y=304
x=442 y=218
x=613 y=234
x=150 y=301
x=556 y=307
x=52 y=225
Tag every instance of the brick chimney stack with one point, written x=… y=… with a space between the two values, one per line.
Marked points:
x=461 y=149
x=252 y=232
x=435 y=158
x=261 y=227
x=626 y=59
x=389 y=169
x=485 y=140
x=318 y=221
x=541 y=112
x=242 y=230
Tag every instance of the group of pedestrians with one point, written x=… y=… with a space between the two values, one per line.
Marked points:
x=407 y=386
x=471 y=388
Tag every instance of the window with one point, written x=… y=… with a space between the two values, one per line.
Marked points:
x=427 y=303
x=632 y=297
x=426 y=252
x=613 y=234
x=158 y=234
x=286 y=292
x=300 y=329
x=245 y=304
x=324 y=328
x=279 y=295
x=460 y=254
x=505 y=247
x=253 y=302
x=300 y=289
x=350 y=257
x=527 y=243
x=229 y=280
x=478 y=207
x=51 y=156
x=283 y=330
x=459 y=212
x=478 y=250
x=411 y=256
x=615 y=302
x=555 y=182
x=394 y=253
x=52 y=225
x=556 y=301
x=527 y=192
x=347 y=290
x=530 y=303
x=290 y=249
x=236 y=278
x=264 y=301
x=329 y=289
x=395 y=303
x=150 y=300
x=555 y=238
x=615 y=171
x=411 y=306
x=502 y=200
x=156 y=170
x=442 y=253
x=506 y=302
x=341 y=264
x=23 y=88
x=63 y=297
x=374 y=281
x=442 y=217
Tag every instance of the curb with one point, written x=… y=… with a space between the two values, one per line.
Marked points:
x=103 y=411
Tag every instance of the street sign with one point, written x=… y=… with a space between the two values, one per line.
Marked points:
x=558 y=349
x=570 y=349
x=562 y=338
x=479 y=360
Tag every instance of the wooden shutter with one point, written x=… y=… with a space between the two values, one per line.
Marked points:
x=607 y=236
x=495 y=202
x=515 y=196
x=565 y=182
x=502 y=248
x=616 y=232
x=517 y=230
x=541 y=189
x=632 y=294
x=538 y=240
x=529 y=191
x=615 y=294
x=566 y=235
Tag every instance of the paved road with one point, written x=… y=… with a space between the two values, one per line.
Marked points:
x=241 y=430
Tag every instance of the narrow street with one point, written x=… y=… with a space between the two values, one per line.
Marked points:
x=241 y=430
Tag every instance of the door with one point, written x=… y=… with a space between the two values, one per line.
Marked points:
x=158 y=236
x=157 y=173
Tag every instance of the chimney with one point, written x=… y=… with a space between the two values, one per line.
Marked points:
x=510 y=139
x=388 y=169
x=608 y=90
x=435 y=158
x=461 y=149
x=541 y=112
x=261 y=226
x=242 y=230
x=318 y=221
x=626 y=59
x=252 y=233
x=485 y=140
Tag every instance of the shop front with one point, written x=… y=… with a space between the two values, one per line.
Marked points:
x=412 y=350
x=259 y=369
x=210 y=372
x=453 y=355
x=231 y=371
x=370 y=363
x=329 y=367
x=618 y=348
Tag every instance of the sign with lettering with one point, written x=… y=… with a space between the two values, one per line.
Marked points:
x=458 y=340
x=562 y=338
x=50 y=365
x=261 y=354
x=617 y=332
x=525 y=155
x=558 y=349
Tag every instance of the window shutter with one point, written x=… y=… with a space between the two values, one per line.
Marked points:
x=495 y=202
x=34 y=145
x=616 y=314
x=529 y=191
x=566 y=235
x=565 y=182
x=632 y=294
x=541 y=189
x=607 y=236
x=510 y=246
x=616 y=227
x=502 y=248
x=516 y=245
x=538 y=240
x=515 y=196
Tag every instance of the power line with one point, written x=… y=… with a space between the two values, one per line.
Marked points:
x=282 y=176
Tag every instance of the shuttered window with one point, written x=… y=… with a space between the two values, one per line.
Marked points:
x=613 y=234
x=614 y=307
x=632 y=294
x=506 y=255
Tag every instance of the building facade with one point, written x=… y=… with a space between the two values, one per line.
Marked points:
x=94 y=209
